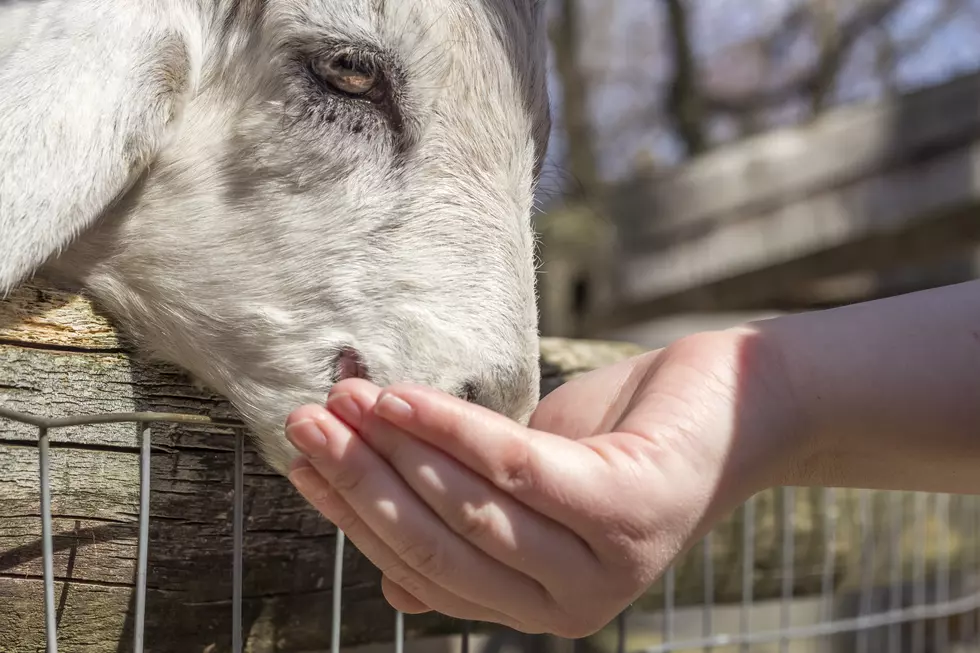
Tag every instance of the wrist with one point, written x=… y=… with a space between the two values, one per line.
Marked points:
x=753 y=429
x=883 y=393
x=875 y=395
x=777 y=424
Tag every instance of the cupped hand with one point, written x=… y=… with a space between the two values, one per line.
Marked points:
x=558 y=526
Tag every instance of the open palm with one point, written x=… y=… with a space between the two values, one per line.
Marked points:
x=558 y=526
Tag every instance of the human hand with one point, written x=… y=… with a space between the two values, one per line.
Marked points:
x=555 y=527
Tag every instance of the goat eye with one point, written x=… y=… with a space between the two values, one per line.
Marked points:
x=346 y=74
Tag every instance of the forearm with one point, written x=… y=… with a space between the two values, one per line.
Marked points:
x=888 y=392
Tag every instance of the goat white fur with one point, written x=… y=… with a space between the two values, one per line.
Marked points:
x=181 y=161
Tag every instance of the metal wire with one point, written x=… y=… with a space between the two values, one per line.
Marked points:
x=895 y=595
x=748 y=569
x=968 y=521
x=709 y=588
x=464 y=645
x=47 y=541
x=144 y=537
x=919 y=572
x=114 y=418
x=399 y=632
x=914 y=614
x=942 y=575
x=866 y=513
x=670 y=588
x=338 y=579
x=939 y=510
x=830 y=553
x=789 y=532
x=621 y=632
x=238 y=543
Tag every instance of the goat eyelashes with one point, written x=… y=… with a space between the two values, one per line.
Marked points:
x=359 y=76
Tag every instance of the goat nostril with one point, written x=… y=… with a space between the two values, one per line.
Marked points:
x=350 y=365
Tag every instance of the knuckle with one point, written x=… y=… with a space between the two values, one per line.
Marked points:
x=410 y=583
x=321 y=496
x=515 y=474
x=400 y=575
x=348 y=479
x=474 y=523
x=392 y=449
x=347 y=521
x=425 y=558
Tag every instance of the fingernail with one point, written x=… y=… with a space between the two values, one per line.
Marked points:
x=393 y=408
x=306 y=435
x=304 y=479
x=301 y=462
x=346 y=408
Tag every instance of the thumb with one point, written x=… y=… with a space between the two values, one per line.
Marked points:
x=594 y=402
x=552 y=475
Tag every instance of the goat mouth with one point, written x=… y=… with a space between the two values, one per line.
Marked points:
x=349 y=364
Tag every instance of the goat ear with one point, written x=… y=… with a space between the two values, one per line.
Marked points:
x=87 y=95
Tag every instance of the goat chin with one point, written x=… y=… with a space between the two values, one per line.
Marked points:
x=263 y=191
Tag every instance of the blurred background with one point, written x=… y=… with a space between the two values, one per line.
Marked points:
x=714 y=161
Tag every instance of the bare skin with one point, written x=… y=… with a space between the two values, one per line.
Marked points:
x=558 y=526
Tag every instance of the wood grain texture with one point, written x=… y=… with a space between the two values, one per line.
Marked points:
x=58 y=358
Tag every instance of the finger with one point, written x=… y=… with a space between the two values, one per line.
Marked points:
x=363 y=392
x=557 y=477
x=401 y=599
x=609 y=390
x=497 y=524
x=321 y=496
x=391 y=510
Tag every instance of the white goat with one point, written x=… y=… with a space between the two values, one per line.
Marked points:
x=277 y=194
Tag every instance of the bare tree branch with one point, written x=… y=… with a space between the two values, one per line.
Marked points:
x=817 y=82
x=574 y=106
x=832 y=53
x=946 y=12
x=684 y=103
x=886 y=62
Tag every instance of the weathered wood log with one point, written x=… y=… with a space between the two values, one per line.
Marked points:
x=58 y=357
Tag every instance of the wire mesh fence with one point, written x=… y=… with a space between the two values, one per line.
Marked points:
x=917 y=593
